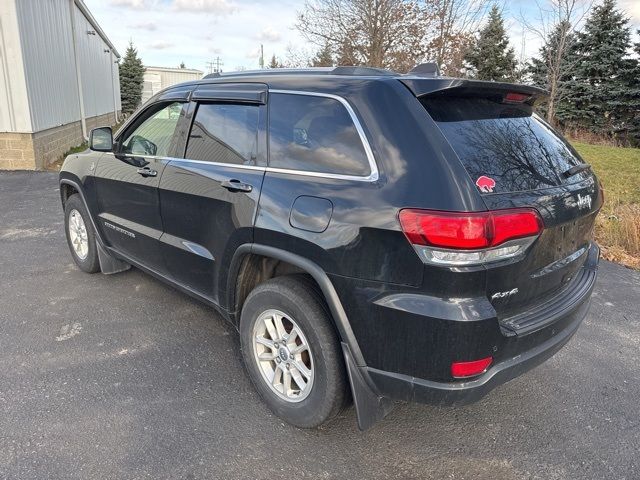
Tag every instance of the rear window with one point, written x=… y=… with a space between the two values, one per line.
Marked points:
x=314 y=134
x=506 y=143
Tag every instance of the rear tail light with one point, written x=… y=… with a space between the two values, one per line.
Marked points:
x=473 y=238
x=470 y=369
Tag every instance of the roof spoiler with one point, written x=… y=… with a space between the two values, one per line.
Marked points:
x=456 y=87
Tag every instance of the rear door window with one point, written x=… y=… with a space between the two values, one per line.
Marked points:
x=314 y=134
x=224 y=133
x=507 y=143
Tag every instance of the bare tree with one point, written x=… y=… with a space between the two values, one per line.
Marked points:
x=297 y=57
x=555 y=26
x=451 y=25
x=377 y=33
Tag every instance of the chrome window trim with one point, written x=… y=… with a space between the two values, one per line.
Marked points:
x=218 y=164
x=373 y=166
x=202 y=162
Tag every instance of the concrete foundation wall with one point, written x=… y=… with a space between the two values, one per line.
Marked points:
x=16 y=151
x=35 y=151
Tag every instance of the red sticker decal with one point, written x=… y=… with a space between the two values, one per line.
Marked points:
x=486 y=184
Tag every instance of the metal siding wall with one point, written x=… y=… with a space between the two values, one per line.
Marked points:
x=95 y=69
x=45 y=33
x=14 y=105
x=171 y=78
x=116 y=82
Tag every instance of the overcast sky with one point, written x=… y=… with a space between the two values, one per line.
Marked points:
x=167 y=32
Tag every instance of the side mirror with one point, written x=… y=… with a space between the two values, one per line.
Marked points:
x=101 y=139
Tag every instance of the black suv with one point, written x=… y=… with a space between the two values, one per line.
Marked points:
x=372 y=235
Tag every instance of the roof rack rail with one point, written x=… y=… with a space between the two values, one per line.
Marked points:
x=343 y=70
x=270 y=71
x=427 y=69
x=362 y=71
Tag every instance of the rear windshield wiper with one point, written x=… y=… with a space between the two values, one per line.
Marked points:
x=576 y=169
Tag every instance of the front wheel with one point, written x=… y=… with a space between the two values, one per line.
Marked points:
x=80 y=235
x=291 y=351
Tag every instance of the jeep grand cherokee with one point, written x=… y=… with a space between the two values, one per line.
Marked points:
x=371 y=235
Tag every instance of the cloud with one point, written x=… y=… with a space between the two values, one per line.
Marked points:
x=160 y=45
x=196 y=37
x=269 y=34
x=632 y=9
x=137 y=4
x=253 y=53
x=219 y=7
x=149 y=26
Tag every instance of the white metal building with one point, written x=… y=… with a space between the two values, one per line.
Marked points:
x=58 y=79
x=157 y=78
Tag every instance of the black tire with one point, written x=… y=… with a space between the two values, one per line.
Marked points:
x=299 y=298
x=89 y=264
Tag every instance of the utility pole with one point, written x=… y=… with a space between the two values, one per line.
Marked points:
x=218 y=62
x=261 y=57
x=214 y=66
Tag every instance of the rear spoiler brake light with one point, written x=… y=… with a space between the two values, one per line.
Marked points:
x=455 y=87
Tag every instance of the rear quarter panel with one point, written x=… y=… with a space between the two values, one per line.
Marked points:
x=364 y=238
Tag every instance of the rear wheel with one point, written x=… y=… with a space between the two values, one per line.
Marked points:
x=291 y=351
x=80 y=235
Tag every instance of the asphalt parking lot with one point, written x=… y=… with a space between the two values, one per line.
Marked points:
x=123 y=377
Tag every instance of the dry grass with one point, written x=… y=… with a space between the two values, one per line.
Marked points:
x=592 y=138
x=618 y=225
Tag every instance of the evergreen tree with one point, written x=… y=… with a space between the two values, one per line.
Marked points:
x=632 y=100
x=324 y=57
x=600 y=86
x=274 y=63
x=491 y=58
x=131 y=80
x=553 y=70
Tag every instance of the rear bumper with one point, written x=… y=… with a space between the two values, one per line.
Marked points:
x=517 y=354
x=404 y=387
x=540 y=334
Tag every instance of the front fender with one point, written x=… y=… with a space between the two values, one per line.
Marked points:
x=77 y=172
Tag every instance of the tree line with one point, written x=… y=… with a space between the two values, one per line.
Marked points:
x=587 y=61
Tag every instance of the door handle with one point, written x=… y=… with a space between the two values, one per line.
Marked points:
x=147 y=172
x=236 y=186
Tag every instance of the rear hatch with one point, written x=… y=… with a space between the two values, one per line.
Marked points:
x=516 y=159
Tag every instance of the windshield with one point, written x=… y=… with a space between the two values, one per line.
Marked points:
x=506 y=143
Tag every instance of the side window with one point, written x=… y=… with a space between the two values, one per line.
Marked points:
x=314 y=134
x=154 y=136
x=224 y=133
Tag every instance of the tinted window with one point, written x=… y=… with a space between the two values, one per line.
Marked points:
x=314 y=134
x=224 y=133
x=154 y=136
x=507 y=143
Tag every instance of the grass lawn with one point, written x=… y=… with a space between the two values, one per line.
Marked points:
x=618 y=226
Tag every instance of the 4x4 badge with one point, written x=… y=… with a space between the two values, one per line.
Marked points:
x=486 y=184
